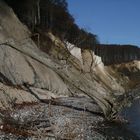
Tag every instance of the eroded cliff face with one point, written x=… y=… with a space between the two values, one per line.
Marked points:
x=29 y=76
x=131 y=71
x=23 y=65
x=63 y=71
x=93 y=64
x=16 y=68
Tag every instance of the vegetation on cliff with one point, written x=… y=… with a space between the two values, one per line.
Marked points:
x=116 y=54
x=53 y=15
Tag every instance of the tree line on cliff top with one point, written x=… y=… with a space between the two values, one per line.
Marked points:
x=116 y=54
x=53 y=16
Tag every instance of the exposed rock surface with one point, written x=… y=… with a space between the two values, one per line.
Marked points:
x=131 y=71
x=28 y=75
x=22 y=63
x=93 y=64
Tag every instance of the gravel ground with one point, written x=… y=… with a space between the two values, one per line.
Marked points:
x=62 y=119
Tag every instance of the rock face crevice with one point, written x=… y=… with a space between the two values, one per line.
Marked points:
x=5 y=80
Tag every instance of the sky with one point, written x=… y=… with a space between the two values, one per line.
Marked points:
x=114 y=21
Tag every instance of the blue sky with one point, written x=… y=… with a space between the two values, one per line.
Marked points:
x=114 y=21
